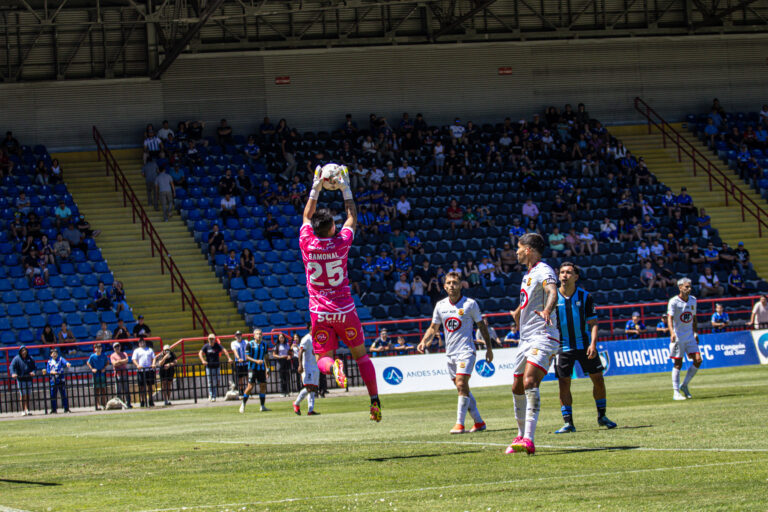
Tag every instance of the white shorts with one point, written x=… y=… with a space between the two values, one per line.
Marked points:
x=682 y=347
x=461 y=364
x=311 y=377
x=538 y=351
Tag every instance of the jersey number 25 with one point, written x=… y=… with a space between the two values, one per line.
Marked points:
x=332 y=269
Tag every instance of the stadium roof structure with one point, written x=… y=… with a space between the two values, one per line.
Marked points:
x=77 y=39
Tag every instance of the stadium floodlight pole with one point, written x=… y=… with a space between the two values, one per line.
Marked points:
x=179 y=46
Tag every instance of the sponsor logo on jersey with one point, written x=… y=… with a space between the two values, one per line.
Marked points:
x=523 y=298
x=605 y=359
x=332 y=318
x=392 y=376
x=351 y=333
x=530 y=279
x=686 y=317
x=462 y=364
x=321 y=337
x=485 y=368
x=452 y=324
x=461 y=312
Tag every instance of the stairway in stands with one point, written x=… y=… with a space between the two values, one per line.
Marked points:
x=727 y=219
x=148 y=291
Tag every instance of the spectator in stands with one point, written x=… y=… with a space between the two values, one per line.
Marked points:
x=385 y=265
x=727 y=257
x=574 y=244
x=370 y=270
x=150 y=172
x=711 y=132
x=228 y=208
x=41 y=173
x=22 y=370
x=709 y=284
x=401 y=347
x=104 y=333
x=696 y=257
x=704 y=222
x=227 y=184
x=531 y=212
x=166 y=361
x=649 y=228
x=380 y=344
x=267 y=130
x=101 y=298
x=661 y=328
x=232 y=265
x=712 y=255
x=272 y=230
x=643 y=252
x=47 y=336
x=480 y=342
x=119 y=361
x=403 y=207
x=11 y=145
x=117 y=294
x=144 y=359
x=56 y=369
x=489 y=274
x=742 y=258
x=36 y=274
x=366 y=220
x=404 y=264
x=648 y=276
x=216 y=241
x=657 y=250
x=588 y=240
x=634 y=327
x=664 y=276
x=418 y=290
x=515 y=231
x=282 y=355
x=23 y=203
x=672 y=248
x=383 y=225
x=406 y=174
x=736 y=284
x=34 y=226
x=18 y=228
x=608 y=231
x=556 y=244
x=759 y=318
x=165 y=191
x=141 y=330
x=65 y=334
x=63 y=214
x=97 y=362
x=224 y=134
x=195 y=132
x=153 y=146
x=512 y=338
x=720 y=319
x=403 y=289
x=247 y=264
x=455 y=215
x=177 y=175
x=669 y=202
x=685 y=202
x=165 y=131
x=6 y=164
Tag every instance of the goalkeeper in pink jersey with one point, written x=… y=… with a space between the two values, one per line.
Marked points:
x=331 y=307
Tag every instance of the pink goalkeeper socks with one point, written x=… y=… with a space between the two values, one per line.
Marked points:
x=325 y=364
x=368 y=373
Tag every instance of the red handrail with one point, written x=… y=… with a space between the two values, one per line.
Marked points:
x=155 y=242
x=713 y=172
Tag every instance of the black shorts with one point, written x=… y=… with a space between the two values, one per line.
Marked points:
x=257 y=376
x=241 y=370
x=146 y=377
x=167 y=374
x=566 y=360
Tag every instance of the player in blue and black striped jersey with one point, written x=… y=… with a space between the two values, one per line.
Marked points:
x=577 y=321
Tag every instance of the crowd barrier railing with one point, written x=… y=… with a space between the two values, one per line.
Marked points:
x=156 y=244
x=701 y=162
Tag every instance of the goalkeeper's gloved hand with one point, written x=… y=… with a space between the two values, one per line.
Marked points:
x=317 y=183
x=346 y=188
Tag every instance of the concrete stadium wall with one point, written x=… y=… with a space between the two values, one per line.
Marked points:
x=675 y=75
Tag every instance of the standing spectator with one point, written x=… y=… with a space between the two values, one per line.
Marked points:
x=141 y=330
x=65 y=334
x=720 y=319
x=153 y=146
x=98 y=362
x=282 y=354
x=238 y=347
x=380 y=344
x=224 y=134
x=662 y=329
x=403 y=290
x=144 y=359
x=23 y=371
x=166 y=191
x=150 y=172
x=209 y=357
x=759 y=318
x=634 y=327
x=119 y=360
x=56 y=368
x=166 y=361
x=418 y=289
x=736 y=285
x=709 y=284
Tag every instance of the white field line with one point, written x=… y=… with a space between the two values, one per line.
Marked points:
x=451 y=486
x=472 y=443
x=9 y=509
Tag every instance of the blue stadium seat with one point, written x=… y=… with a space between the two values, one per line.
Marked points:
x=8 y=338
x=81 y=333
x=254 y=282
x=5 y=324
x=126 y=316
x=25 y=336
x=20 y=322
x=259 y=320
x=67 y=307
x=271 y=282
x=15 y=309
x=277 y=320
x=55 y=320
x=261 y=294
x=55 y=282
x=237 y=283
x=286 y=305
x=80 y=293
x=109 y=317
x=252 y=308
x=296 y=292
x=278 y=294
x=244 y=296
x=90 y=318
x=269 y=306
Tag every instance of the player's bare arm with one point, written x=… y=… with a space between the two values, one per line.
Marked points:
x=695 y=326
x=488 y=341
x=592 y=349
x=672 y=337
x=314 y=195
x=349 y=202
x=551 y=290
x=516 y=315
x=432 y=330
x=301 y=359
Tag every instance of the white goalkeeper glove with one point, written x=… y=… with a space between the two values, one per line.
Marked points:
x=317 y=184
x=346 y=188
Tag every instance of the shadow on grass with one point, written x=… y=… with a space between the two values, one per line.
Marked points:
x=421 y=456
x=28 y=482
x=632 y=427
x=569 y=451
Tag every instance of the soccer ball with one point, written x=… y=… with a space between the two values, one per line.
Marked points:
x=331 y=175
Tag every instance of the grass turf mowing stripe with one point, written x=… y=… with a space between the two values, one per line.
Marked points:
x=452 y=486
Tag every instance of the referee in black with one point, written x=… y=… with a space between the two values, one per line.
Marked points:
x=577 y=321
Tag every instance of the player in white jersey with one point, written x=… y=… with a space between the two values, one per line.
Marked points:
x=310 y=376
x=539 y=338
x=458 y=316
x=684 y=338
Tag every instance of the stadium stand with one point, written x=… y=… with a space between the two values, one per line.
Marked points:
x=38 y=286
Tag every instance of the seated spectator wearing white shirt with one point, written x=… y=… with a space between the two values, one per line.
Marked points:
x=643 y=252
x=377 y=175
x=489 y=274
x=709 y=284
x=403 y=290
x=165 y=131
x=456 y=129
x=588 y=239
x=657 y=249
x=228 y=207
x=403 y=207
x=406 y=174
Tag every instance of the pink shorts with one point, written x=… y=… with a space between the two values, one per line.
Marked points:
x=328 y=328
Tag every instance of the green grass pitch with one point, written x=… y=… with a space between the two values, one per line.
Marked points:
x=665 y=455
